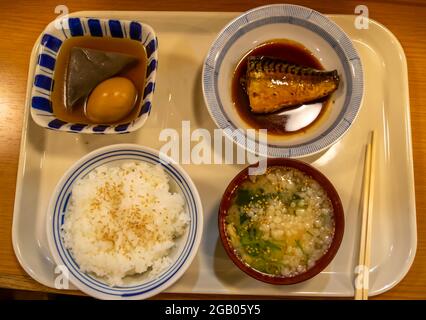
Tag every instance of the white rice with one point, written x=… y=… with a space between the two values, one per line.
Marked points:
x=124 y=220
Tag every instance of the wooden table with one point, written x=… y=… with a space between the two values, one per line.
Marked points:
x=22 y=21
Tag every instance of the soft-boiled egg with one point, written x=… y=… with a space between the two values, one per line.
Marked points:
x=111 y=100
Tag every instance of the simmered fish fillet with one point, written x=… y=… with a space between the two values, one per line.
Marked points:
x=272 y=84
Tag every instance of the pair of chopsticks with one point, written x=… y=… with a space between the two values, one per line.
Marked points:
x=362 y=280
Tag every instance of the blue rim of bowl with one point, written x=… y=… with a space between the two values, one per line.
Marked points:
x=51 y=41
x=311 y=20
x=84 y=280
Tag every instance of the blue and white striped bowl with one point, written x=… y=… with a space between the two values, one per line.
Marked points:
x=321 y=36
x=141 y=287
x=52 y=38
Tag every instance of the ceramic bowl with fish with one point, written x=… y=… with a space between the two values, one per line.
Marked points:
x=94 y=76
x=287 y=69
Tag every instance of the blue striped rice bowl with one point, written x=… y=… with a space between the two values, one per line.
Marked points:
x=181 y=256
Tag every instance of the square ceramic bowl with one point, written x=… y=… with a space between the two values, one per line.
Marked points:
x=52 y=38
x=321 y=36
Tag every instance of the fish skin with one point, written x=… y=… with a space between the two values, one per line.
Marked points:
x=273 y=84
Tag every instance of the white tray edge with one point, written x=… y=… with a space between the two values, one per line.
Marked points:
x=412 y=205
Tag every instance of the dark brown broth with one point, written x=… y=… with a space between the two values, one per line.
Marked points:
x=288 y=120
x=136 y=74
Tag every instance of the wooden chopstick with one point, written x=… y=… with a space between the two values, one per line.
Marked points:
x=362 y=284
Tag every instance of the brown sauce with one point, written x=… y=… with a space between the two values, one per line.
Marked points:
x=286 y=121
x=136 y=74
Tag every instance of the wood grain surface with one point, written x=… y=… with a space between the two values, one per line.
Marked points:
x=22 y=21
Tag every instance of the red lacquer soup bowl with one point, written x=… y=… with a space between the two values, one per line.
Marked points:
x=322 y=262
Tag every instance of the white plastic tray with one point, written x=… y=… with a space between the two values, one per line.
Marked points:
x=184 y=39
